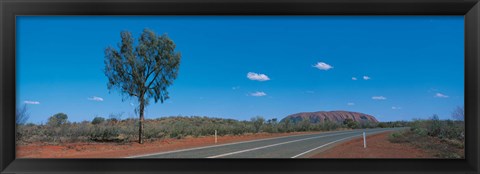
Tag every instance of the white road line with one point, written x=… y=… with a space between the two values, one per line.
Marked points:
x=308 y=151
x=205 y=147
x=322 y=146
x=262 y=147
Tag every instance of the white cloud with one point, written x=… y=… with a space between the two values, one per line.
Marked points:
x=258 y=94
x=235 y=87
x=354 y=78
x=366 y=78
x=350 y=104
x=323 y=66
x=440 y=95
x=396 y=107
x=95 y=98
x=379 y=98
x=258 y=77
x=32 y=102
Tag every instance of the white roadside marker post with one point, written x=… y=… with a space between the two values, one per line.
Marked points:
x=364 y=141
x=215 y=136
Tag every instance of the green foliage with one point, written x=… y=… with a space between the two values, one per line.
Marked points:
x=443 y=129
x=395 y=135
x=258 y=122
x=146 y=69
x=287 y=126
x=445 y=138
x=271 y=126
x=435 y=126
x=98 y=120
x=304 y=125
x=57 y=119
x=329 y=125
x=398 y=137
x=351 y=124
x=143 y=71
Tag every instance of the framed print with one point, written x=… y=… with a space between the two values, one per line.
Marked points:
x=278 y=86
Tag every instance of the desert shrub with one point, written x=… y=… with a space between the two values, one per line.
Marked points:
x=444 y=138
x=382 y=125
x=401 y=136
x=349 y=123
x=367 y=124
x=329 y=125
x=98 y=120
x=435 y=126
x=303 y=125
x=57 y=127
x=57 y=119
x=443 y=129
x=106 y=133
x=153 y=131
x=420 y=131
x=286 y=126
x=452 y=130
x=79 y=131
x=258 y=122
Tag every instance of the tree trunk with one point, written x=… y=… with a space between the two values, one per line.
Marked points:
x=140 y=129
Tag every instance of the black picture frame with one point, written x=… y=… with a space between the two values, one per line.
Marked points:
x=12 y=8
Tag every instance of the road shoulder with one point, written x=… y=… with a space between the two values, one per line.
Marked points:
x=378 y=146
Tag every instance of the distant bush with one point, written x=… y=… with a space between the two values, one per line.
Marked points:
x=57 y=119
x=351 y=124
x=258 y=122
x=98 y=120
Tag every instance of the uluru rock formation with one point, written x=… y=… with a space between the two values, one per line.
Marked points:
x=334 y=116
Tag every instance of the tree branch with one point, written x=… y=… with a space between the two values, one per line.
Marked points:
x=149 y=84
x=150 y=73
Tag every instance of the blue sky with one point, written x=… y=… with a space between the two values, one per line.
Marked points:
x=239 y=67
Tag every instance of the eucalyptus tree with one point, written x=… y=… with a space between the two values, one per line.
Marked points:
x=143 y=69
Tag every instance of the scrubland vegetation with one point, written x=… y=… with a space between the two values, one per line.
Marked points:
x=115 y=129
x=443 y=138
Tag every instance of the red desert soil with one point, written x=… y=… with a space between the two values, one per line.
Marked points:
x=116 y=150
x=378 y=146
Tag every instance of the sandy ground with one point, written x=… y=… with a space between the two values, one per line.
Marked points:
x=116 y=150
x=378 y=146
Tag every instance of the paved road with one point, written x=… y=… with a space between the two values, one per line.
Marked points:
x=295 y=146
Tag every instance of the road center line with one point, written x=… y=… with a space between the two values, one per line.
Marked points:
x=262 y=147
x=308 y=151
x=220 y=145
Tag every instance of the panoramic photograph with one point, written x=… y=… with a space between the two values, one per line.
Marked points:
x=310 y=87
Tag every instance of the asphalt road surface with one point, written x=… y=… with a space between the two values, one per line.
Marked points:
x=295 y=146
